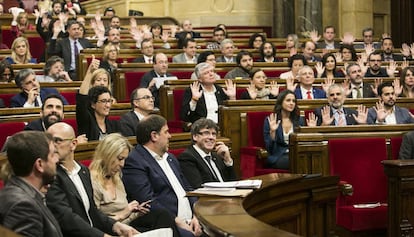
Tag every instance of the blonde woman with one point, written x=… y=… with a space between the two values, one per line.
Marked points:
x=109 y=60
x=20 y=24
x=109 y=192
x=20 y=52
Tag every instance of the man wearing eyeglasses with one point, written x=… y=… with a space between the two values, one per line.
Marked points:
x=142 y=103
x=206 y=160
x=375 y=69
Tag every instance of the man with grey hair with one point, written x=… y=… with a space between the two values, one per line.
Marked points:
x=203 y=97
x=354 y=83
x=227 y=50
x=31 y=94
x=335 y=114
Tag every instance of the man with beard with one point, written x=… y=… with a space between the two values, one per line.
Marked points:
x=206 y=160
x=385 y=111
x=387 y=47
x=354 y=84
x=32 y=158
x=52 y=112
x=335 y=114
x=70 y=197
x=268 y=53
x=244 y=61
x=375 y=69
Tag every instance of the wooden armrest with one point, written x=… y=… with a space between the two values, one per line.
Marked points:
x=345 y=188
x=262 y=153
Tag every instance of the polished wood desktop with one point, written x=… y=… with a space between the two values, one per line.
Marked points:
x=286 y=205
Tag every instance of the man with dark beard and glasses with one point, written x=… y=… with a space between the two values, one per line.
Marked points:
x=385 y=111
x=52 y=112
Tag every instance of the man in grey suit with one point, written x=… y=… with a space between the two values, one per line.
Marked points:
x=385 y=111
x=142 y=103
x=33 y=160
x=189 y=55
x=227 y=51
x=69 y=48
x=355 y=83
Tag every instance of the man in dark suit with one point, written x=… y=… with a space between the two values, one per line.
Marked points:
x=357 y=87
x=407 y=147
x=268 y=53
x=147 y=50
x=151 y=173
x=52 y=112
x=206 y=160
x=305 y=90
x=335 y=114
x=187 y=27
x=70 y=197
x=32 y=95
x=328 y=39
x=142 y=103
x=160 y=67
x=385 y=111
x=32 y=157
x=68 y=48
x=387 y=47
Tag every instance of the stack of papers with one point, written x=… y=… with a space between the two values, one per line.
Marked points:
x=224 y=192
x=254 y=183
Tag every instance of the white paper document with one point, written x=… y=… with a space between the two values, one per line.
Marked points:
x=254 y=183
x=162 y=232
x=159 y=81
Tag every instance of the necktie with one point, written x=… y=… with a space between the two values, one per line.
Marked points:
x=341 y=121
x=75 y=48
x=150 y=61
x=208 y=159
x=309 y=96
x=358 y=89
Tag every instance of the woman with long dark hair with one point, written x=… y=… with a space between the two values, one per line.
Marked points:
x=327 y=68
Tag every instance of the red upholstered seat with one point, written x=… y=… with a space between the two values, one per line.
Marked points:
x=8 y=129
x=6 y=98
x=176 y=152
x=182 y=74
x=86 y=162
x=250 y=163
x=132 y=81
x=37 y=47
x=358 y=162
x=70 y=96
x=176 y=125
x=275 y=72
x=7 y=36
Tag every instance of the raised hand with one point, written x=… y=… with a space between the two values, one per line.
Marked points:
x=274 y=88
x=319 y=69
x=385 y=35
x=327 y=82
x=338 y=57
x=326 y=115
x=196 y=93
x=251 y=89
x=348 y=38
x=346 y=85
x=369 y=48
x=314 y=36
x=273 y=125
x=381 y=112
x=391 y=68
x=412 y=50
x=230 y=89
x=312 y=120
x=404 y=64
x=362 y=116
x=374 y=88
x=290 y=84
x=364 y=68
x=405 y=50
x=397 y=87
x=94 y=65
x=133 y=23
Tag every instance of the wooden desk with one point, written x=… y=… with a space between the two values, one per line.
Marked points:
x=287 y=205
x=400 y=175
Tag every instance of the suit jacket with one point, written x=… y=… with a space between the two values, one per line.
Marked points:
x=402 y=115
x=201 y=109
x=197 y=171
x=22 y=210
x=407 y=147
x=66 y=204
x=366 y=91
x=2 y=105
x=140 y=59
x=395 y=57
x=145 y=180
x=221 y=59
x=36 y=125
x=350 y=120
x=317 y=93
x=180 y=58
x=21 y=98
x=129 y=122
x=382 y=73
x=183 y=34
x=322 y=45
x=62 y=49
x=145 y=81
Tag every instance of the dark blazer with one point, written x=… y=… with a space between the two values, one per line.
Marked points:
x=395 y=57
x=197 y=171
x=22 y=210
x=145 y=180
x=317 y=93
x=66 y=204
x=322 y=45
x=201 y=110
x=62 y=49
x=112 y=71
x=21 y=98
x=183 y=34
x=36 y=125
x=366 y=91
x=382 y=73
x=145 y=81
x=246 y=96
x=140 y=59
x=86 y=121
x=350 y=120
x=2 y=105
x=128 y=123
x=221 y=59
x=407 y=147
x=402 y=115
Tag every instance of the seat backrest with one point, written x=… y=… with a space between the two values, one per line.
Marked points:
x=395 y=147
x=8 y=129
x=132 y=81
x=70 y=96
x=182 y=74
x=178 y=95
x=358 y=162
x=176 y=152
x=37 y=48
x=255 y=122
x=6 y=98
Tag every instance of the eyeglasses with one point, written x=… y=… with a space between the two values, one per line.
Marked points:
x=104 y=101
x=146 y=97
x=208 y=133
x=59 y=140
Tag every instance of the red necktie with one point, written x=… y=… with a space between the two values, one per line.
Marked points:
x=309 y=96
